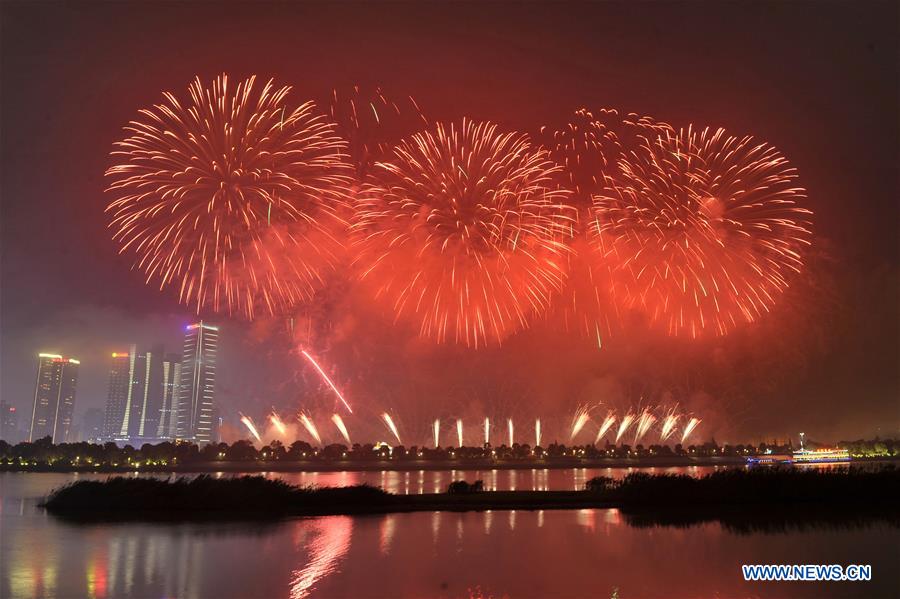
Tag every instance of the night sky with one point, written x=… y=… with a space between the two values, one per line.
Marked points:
x=817 y=80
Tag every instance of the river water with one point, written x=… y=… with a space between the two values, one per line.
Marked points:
x=516 y=554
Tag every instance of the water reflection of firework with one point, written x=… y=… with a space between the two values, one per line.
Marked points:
x=310 y=428
x=250 y=427
x=339 y=423
x=390 y=424
x=689 y=428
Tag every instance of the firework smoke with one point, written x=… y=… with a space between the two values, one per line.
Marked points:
x=339 y=423
x=310 y=428
x=231 y=197
x=464 y=233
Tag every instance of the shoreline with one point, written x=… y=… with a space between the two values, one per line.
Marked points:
x=801 y=494
x=415 y=465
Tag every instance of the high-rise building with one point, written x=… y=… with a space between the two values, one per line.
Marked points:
x=198 y=379
x=118 y=396
x=9 y=423
x=54 y=398
x=136 y=395
x=168 y=412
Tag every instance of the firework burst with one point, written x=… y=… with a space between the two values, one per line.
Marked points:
x=708 y=229
x=590 y=146
x=278 y=424
x=231 y=197
x=464 y=232
x=644 y=422
x=582 y=416
x=670 y=422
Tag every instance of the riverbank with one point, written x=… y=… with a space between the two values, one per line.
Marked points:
x=853 y=491
x=259 y=466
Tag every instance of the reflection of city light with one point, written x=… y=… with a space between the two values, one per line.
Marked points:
x=330 y=544
x=386 y=534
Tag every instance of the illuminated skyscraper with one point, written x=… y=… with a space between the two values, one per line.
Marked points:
x=54 y=398
x=198 y=381
x=168 y=412
x=136 y=394
x=9 y=423
x=117 y=399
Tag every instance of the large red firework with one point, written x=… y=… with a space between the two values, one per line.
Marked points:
x=708 y=229
x=463 y=232
x=590 y=146
x=232 y=197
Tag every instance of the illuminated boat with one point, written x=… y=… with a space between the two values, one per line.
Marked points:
x=802 y=456
x=821 y=456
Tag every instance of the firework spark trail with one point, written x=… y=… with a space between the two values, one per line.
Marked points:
x=708 y=229
x=437 y=433
x=487 y=430
x=310 y=428
x=232 y=197
x=670 y=422
x=537 y=432
x=624 y=426
x=459 y=432
x=327 y=379
x=689 y=428
x=390 y=424
x=371 y=122
x=510 y=430
x=276 y=421
x=607 y=424
x=645 y=421
x=463 y=233
x=339 y=423
x=581 y=418
x=250 y=427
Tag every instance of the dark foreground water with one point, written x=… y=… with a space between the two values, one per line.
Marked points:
x=580 y=553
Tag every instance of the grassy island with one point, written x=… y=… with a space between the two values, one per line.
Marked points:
x=844 y=493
